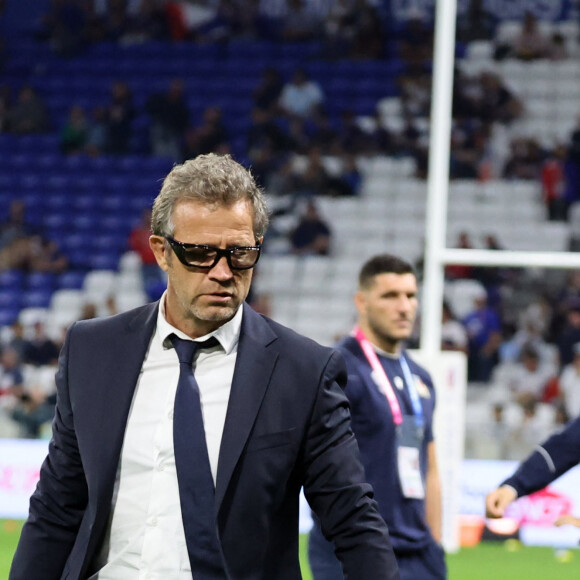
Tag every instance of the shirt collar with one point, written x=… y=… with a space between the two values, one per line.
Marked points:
x=227 y=334
x=384 y=353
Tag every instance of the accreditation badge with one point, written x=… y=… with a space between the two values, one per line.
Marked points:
x=409 y=438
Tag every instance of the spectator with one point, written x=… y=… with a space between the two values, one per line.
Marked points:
x=45 y=256
x=75 y=133
x=40 y=350
x=28 y=114
x=312 y=235
x=570 y=384
x=265 y=133
x=496 y=102
x=170 y=117
x=120 y=114
x=531 y=431
x=349 y=181
x=116 y=20
x=64 y=26
x=453 y=334
x=529 y=377
x=525 y=161
x=17 y=341
x=339 y=29
x=460 y=271
x=314 y=180
x=3 y=53
x=476 y=23
x=557 y=49
x=11 y=385
x=267 y=93
x=210 y=136
x=16 y=226
x=139 y=242
x=352 y=137
x=416 y=42
x=483 y=328
x=5 y=102
x=531 y=43
x=553 y=185
x=570 y=333
x=97 y=132
x=149 y=23
x=368 y=41
x=300 y=23
x=301 y=97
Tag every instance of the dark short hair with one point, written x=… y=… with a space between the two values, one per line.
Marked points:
x=383 y=264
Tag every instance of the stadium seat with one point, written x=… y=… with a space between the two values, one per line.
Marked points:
x=40 y=281
x=11 y=279
x=38 y=298
x=70 y=280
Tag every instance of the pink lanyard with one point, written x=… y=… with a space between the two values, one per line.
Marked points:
x=379 y=375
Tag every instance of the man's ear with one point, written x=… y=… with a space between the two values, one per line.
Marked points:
x=159 y=248
x=360 y=301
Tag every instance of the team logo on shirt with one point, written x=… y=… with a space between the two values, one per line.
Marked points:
x=421 y=387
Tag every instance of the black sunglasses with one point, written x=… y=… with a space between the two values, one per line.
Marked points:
x=206 y=257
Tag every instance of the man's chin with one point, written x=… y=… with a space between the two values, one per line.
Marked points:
x=216 y=313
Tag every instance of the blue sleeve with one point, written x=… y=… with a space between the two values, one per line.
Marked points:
x=552 y=459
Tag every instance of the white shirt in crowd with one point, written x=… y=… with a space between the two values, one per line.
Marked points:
x=570 y=387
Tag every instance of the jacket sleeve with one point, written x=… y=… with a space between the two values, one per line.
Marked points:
x=59 y=501
x=552 y=459
x=335 y=485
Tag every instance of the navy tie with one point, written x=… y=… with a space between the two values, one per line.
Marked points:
x=196 y=487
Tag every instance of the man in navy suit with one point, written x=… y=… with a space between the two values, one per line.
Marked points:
x=113 y=501
x=392 y=403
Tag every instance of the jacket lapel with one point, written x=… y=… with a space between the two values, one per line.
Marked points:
x=132 y=343
x=254 y=366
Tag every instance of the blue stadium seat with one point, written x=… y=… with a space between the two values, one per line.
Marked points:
x=8 y=316
x=40 y=281
x=58 y=202
x=55 y=223
x=86 y=203
x=104 y=261
x=38 y=298
x=115 y=224
x=11 y=279
x=111 y=242
x=86 y=223
x=10 y=297
x=71 y=280
x=71 y=242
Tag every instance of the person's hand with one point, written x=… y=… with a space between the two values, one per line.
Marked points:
x=497 y=501
x=567 y=519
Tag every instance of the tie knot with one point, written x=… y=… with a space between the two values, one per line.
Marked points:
x=186 y=349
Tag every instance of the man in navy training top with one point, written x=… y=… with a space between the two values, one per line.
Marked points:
x=550 y=460
x=392 y=402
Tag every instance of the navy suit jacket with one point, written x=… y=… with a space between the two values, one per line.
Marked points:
x=287 y=426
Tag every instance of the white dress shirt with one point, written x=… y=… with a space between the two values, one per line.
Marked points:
x=145 y=537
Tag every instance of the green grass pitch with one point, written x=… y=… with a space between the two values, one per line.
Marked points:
x=490 y=560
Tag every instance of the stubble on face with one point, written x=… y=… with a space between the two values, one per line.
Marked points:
x=387 y=310
x=202 y=300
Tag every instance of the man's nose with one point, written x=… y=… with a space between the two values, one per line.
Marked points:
x=221 y=270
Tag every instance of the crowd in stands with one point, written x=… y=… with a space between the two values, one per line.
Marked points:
x=530 y=358
x=27 y=393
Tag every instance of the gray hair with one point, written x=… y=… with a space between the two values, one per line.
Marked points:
x=215 y=180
